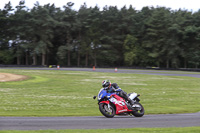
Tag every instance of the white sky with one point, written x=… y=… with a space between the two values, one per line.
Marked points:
x=190 y=5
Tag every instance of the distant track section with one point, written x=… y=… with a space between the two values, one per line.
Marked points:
x=109 y=70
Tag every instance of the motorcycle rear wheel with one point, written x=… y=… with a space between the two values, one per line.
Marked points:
x=107 y=112
x=139 y=111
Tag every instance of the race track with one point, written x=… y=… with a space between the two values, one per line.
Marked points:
x=112 y=70
x=100 y=122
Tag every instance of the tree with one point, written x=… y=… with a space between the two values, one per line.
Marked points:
x=67 y=24
x=42 y=31
x=112 y=38
x=130 y=50
x=19 y=30
x=6 y=54
x=93 y=33
x=157 y=34
x=140 y=31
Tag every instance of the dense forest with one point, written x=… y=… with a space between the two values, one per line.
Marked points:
x=48 y=35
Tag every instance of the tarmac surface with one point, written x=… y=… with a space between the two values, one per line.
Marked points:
x=100 y=122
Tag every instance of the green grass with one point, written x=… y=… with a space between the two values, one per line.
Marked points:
x=69 y=93
x=130 y=130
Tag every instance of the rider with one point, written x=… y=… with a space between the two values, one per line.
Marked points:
x=115 y=88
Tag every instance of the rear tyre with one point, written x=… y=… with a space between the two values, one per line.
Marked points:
x=107 y=112
x=139 y=111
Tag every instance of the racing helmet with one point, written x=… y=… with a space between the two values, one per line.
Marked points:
x=106 y=83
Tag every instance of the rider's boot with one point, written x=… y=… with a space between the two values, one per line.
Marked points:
x=131 y=101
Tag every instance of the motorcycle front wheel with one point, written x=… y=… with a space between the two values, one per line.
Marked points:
x=107 y=111
x=139 y=111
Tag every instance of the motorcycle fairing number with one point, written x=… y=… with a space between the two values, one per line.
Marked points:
x=120 y=103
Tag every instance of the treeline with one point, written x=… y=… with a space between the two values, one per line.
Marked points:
x=47 y=35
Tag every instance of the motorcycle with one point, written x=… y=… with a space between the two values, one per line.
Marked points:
x=110 y=104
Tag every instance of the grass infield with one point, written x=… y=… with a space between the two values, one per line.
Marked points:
x=69 y=93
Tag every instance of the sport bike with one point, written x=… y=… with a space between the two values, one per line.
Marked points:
x=110 y=104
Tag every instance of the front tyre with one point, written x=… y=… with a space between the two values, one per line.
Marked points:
x=107 y=111
x=139 y=110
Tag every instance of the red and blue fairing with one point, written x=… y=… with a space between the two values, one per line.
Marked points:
x=114 y=100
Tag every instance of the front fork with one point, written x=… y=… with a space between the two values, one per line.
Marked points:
x=107 y=108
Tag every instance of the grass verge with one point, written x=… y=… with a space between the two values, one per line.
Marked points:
x=130 y=130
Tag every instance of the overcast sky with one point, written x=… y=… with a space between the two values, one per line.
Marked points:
x=190 y=5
